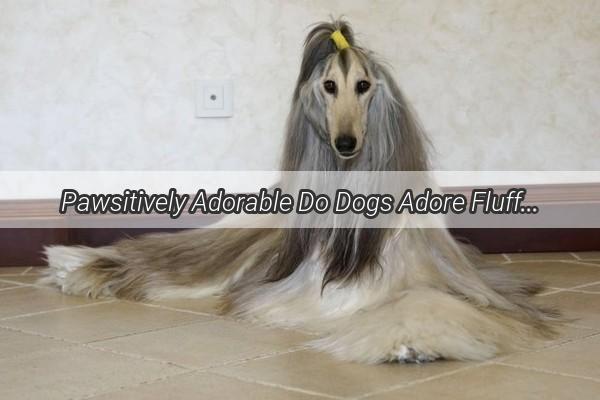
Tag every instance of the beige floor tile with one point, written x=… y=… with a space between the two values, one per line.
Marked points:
x=27 y=300
x=556 y=274
x=590 y=262
x=18 y=343
x=591 y=288
x=540 y=256
x=581 y=358
x=28 y=279
x=204 y=386
x=74 y=373
x=589 y=255
x=12 y=270
x=208 y=343
x=498 y=382
x=321 y=373
x=6 y=285
x=101 y=321
x=567 y=333
x=495 y=258
x=582 y=307
x=208 y=305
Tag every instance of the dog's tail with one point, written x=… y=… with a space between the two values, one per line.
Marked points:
x=188 y=264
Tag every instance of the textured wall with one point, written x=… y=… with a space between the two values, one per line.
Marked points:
x=499 y=84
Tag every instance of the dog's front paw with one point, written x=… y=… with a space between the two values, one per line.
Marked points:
x=408 y=355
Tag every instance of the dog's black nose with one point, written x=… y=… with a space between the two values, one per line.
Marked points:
x=345 y=144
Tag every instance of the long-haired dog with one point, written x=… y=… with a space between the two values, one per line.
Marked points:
x=374 y=295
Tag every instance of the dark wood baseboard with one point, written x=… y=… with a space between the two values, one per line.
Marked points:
x=530 y=240
x=23 y=247
x=20 y=245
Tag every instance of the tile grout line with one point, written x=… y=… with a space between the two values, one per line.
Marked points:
x=150 y=330
x=95 y=345
x=70 y=343
x=576 y=325
x=21 y=284
x=575 y=289
x=26 y=271
x=506 y=257
x=584 y=285
x=10 y=288
x=557 y=345
x=26 y=332
x=37 y=353
x=136 y=385
x=163 y=307
x=546 y=371
x=280 y=386
x=582 y=291
x=215 y=317
x=218 y=317
x=423 y=380
x=575 y=256
x=546 y=260
x=550 y=292
x=535 y=261
x=135 y=356
x=586 y=263
x=53 y=310
x=263 y=356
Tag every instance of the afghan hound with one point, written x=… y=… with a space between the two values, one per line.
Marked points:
x=373 y=295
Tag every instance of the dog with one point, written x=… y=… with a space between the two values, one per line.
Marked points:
x=372 y=295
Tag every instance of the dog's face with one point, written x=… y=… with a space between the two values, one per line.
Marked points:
x=347 y=86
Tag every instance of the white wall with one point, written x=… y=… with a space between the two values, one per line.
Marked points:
x=499 y=84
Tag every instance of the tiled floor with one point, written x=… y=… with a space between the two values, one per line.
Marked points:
x=59 y=347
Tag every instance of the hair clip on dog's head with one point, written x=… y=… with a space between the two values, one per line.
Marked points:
x=340 y=41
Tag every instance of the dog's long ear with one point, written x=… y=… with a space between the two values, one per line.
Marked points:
x=396 y=141
x=318 y=46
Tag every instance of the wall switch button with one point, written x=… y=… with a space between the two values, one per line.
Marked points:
x=214 y=98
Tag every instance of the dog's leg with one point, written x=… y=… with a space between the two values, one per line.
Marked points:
x=188 y=264
x=424 y=325
x=408 y=355
x=66 y=264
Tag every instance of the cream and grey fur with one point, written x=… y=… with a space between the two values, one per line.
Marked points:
x=373 y=295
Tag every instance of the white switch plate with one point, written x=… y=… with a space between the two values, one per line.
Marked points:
x=214 y=98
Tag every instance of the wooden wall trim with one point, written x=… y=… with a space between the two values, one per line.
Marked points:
x=23 y=247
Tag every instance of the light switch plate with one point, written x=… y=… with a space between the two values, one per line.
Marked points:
x=214 y=98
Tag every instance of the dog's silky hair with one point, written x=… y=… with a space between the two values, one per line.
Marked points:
x=374 y=294
x=396 y=142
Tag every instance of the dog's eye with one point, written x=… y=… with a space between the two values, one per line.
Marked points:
x=362 y=87
x=329 y=87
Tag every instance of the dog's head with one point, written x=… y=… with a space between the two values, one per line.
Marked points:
x=346 y=86
x=352 y=104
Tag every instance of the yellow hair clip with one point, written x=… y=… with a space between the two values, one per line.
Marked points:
x=340 y=41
